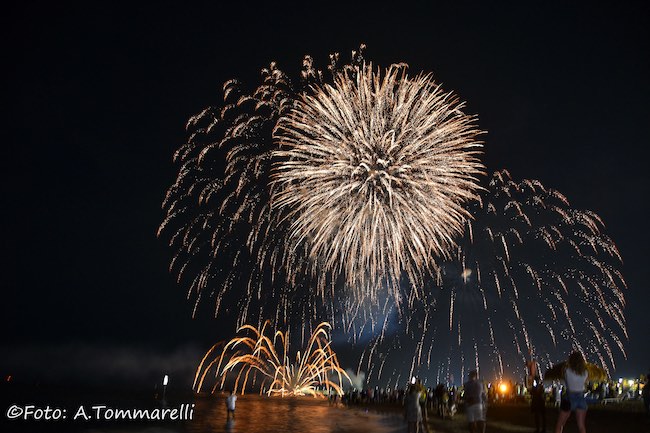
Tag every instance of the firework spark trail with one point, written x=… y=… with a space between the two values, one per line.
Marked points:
x=262 y=221
x=268 y=359
x=211 y=207
x=556 y=268
x=319 y=193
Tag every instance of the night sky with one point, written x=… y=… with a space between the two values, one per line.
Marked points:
x=97 y=97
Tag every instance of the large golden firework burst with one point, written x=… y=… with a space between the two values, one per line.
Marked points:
x=374 y=174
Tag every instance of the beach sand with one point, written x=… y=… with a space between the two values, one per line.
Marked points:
x=517 y=418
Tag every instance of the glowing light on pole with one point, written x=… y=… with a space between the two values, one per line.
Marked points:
x=165 y=382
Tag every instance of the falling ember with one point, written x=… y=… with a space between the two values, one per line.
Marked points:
x=549 y=264
x=265 y=362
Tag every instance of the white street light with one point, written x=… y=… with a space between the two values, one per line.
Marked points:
x=165 y=382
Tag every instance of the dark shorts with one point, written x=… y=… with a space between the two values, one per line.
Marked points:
x=577 y=400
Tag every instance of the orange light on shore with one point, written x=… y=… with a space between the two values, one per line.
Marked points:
x=503 y=388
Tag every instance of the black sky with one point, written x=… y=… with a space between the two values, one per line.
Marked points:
x=97 y=96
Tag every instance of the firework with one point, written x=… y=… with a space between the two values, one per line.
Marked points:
x=218 y=218
x=264 y=363
x=373 y=175
x=532 y=278
x=308 y=199
x=348 y=196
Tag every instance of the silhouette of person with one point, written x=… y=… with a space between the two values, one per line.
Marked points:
x=646 y=395
x=230 y=405
x=413 y=412
x=538 y=405
x=475 y=403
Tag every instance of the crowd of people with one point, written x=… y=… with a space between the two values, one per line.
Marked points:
x=420 y=402
x=569 y=395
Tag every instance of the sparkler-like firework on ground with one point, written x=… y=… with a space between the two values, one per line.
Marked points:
x=352 y=196
x=262 y=362
x=533 y=277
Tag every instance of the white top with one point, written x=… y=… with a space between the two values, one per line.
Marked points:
x=575 y=382
x=230 y=402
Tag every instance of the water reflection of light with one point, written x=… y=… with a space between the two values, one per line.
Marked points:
x=258 y=414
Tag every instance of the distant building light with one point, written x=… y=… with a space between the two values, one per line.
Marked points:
x=165 y=380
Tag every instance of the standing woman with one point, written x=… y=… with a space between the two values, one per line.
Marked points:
x=575 y=376
x=412 y=411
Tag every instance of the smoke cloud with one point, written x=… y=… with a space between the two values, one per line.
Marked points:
x=89 y=364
